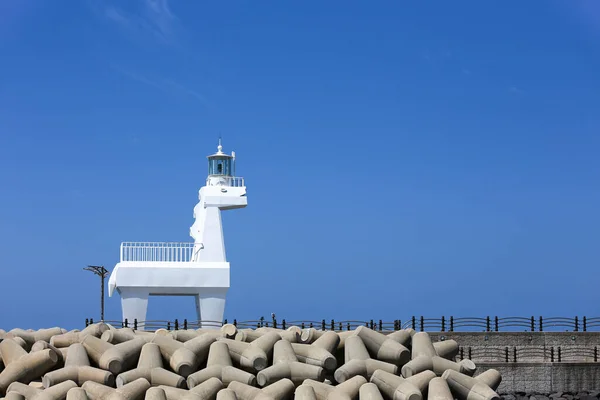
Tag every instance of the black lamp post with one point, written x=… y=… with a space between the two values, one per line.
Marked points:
x=102 y=273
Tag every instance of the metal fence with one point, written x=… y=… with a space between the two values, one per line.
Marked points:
x=529 y=354
x=442 y=324
x=157 y=251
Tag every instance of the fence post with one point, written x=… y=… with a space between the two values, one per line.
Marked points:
x=414 y=323
x=576 y=324
x=235 y=322
x=380 y=325
x=135 y=324
x=322 y=325
x=395 y=324
x=559 y=357
x=185 y=323
x=541 y=324
x=87 y=322
x=262 y=321
x=176 y=324
x=487 y=323
x=551 y=354
x=595 y=353
x=332 y=325
x=91 y=321
x=443 y=324
x=515 y=354
x=169 y=325
x=496 y=323
x=274 y=323
x=372 y=325
x=470 y=352
x=532 y=324
x=224 y=322
x=283 y=323
x=302 y=325
x=506 y=354
x=584 y=324
x=341 y=326
x=451 y=323
x=126 y=323
x=462 y=353
x=422 y=323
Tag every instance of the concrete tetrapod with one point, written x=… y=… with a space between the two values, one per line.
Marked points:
x=289 y=334
x=155 y=393
x=184 y=335
x=447 y=349
x=397 y=388
x=132 y=391
x=76 y=336
x=305 y=392
x=43 y=345
x=439 y=390
x=359 y=362
x=77 y=393
x=383 y=348
x=347 y=390
x=438 y=365
x=219 y=365
x=229 y=331
x=282 y=389
x=226 y=394
x=116 y=336
x=58 y=392
x=422 y=346
x=31 y=337
x=253 y=356
x=320 y=352
x=77 y=368
x=369 y=391
x=150 y=367
x=286 y=365
x=310 y=335
x=491 y=377
x=466 y=387
x=402 y=336
x=207 y=390
x=114 y=358
x=21 y=366
x=201 y=344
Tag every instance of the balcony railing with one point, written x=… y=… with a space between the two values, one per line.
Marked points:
x=157 y=251
x=231 y=181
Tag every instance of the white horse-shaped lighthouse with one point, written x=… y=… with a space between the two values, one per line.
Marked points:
x=198 y=269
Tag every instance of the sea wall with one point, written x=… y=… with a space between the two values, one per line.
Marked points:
x=534 y=362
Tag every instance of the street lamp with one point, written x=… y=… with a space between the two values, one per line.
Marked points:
x=102 y=273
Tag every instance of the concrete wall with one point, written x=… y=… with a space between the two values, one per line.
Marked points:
x=528 y=346
x=546 y=378
x=534 y=370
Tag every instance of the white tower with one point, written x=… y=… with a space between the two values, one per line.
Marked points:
x=198 y=269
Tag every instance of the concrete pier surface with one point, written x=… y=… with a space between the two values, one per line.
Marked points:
x=104 y=362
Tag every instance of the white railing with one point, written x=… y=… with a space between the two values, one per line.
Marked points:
x=231 y=181
x=157 y=251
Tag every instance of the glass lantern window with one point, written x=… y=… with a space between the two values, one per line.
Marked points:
x=219 y=166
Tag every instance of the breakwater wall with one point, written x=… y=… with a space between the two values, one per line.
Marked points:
x=530 y=357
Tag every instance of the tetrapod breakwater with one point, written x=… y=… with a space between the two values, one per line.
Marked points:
x=107 y=360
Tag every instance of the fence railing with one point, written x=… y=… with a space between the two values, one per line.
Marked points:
x=529 y=354
x=157 y=251
x=231 y=181
x=442 y=324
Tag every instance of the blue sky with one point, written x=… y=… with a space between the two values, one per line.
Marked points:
x=401 y=158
